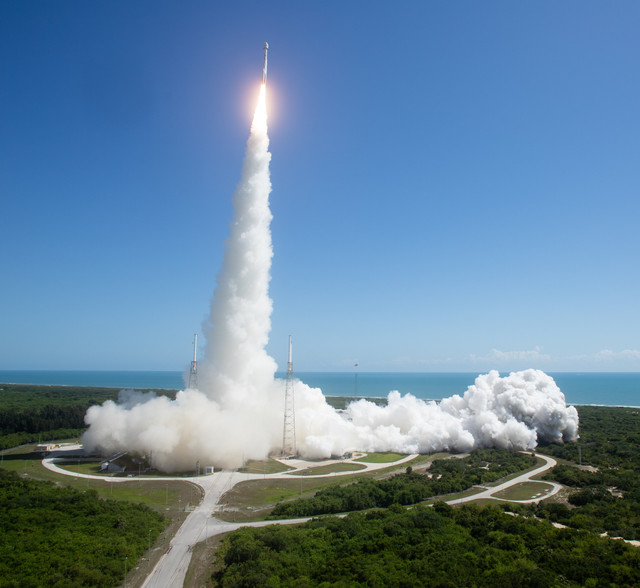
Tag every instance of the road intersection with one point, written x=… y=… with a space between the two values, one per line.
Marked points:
x=200 y=524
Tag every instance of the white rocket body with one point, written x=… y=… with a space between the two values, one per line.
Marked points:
x=264 y=64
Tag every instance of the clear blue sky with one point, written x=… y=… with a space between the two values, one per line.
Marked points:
x=455 y=184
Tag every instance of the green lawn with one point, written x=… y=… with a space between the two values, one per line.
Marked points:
x=172 y=495
x=525 y=491
x=386 y=457
x=254 y=499
x=265 y=466
x=331 y=468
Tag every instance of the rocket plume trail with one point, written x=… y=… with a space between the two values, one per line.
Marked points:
x=236 y=365
x=237 y=412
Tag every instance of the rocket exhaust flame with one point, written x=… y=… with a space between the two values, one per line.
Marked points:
x=236 y=414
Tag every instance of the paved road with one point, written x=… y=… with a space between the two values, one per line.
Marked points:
x=173 y=565
x=199 y=525
x=554 y=488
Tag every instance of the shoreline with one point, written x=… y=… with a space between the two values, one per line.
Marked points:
x=334 y=397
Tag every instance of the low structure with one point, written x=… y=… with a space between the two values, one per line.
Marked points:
x=110 y=467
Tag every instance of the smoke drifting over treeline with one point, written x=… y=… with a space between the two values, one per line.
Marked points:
x=237 y=412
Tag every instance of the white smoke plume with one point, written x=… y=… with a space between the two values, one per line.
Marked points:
x=237 y=367
x=514 y=412
x=238 y=411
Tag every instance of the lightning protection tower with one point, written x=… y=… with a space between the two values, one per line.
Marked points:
x=289 y=431
x=193 y=373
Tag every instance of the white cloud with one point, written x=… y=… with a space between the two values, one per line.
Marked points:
x=609 y=355
x=496 y=355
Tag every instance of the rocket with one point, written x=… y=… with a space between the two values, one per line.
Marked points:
x=264 y=64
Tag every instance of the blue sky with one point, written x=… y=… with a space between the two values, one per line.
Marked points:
x=455 y=184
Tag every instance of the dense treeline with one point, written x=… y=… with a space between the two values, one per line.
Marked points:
x=55 y=536
x=46 y=418
x=605 y=497
x=32 y=413
x=28 y=396
x=470 y=546
x=443 y=477
x=440 y=546
x=595 y=504
x=16 y=439
x=609 y=439
x=29 y=413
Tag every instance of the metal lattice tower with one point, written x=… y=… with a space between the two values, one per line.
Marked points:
x=193 y=373
x=289 y=431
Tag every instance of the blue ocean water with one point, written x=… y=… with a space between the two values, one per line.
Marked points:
x=97 y=379
x=610 y=389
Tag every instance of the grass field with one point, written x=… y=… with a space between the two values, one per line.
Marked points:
x=386 y=457
x=259 y=493
x=170 y=496
x=254 y=499
x=525 y=491
x=332 y=468
x=265 y=466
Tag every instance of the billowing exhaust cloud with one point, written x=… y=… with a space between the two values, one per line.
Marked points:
x=513 y=412
x=238 y=411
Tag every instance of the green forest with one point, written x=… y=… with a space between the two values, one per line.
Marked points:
x=603 y=472
x=443 y=477
x=29 y=413
x=439 y=546
x=53 y=535
x=60 y=537
x=604 y=488
x=390 y=544
x=57 y=536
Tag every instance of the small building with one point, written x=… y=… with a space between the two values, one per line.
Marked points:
x=45 y=447
x=110 y=467
x=115 y=464
x=208 y=470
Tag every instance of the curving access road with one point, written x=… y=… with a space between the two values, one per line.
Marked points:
x=199 y=525
x=490 y=492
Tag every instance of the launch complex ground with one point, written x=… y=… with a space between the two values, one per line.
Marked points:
x=205 y=519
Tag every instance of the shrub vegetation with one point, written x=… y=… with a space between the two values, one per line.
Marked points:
x=61 y=537
x=606 y=496
x=29 y=413
x=444 y=477
x=440 y=546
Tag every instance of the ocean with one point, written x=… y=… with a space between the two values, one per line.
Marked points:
x=609 y=389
